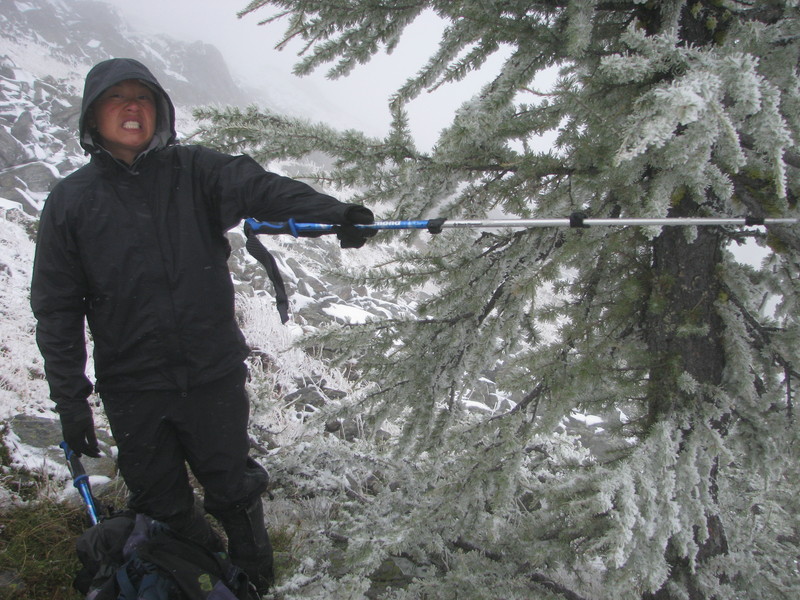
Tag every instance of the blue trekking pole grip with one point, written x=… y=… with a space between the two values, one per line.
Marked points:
x=314 y=229
x=270 y=228
x=81 y=482
x=290 y=226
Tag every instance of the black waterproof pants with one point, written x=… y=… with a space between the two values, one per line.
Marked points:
x=159 y=432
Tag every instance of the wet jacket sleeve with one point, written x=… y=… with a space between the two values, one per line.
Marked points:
x=244 y=190
x=58 y=291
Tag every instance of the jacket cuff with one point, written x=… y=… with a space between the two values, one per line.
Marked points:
x=73 y=410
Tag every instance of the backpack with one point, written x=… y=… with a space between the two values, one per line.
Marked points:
x=131 y=557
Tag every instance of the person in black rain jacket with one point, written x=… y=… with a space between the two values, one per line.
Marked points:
x=134 y=244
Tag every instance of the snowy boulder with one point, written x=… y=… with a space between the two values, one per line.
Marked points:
x=484 y=397
x=6 y=67
x=29 y=184
x=34 y=176
x=38 y=440
x=310 y=398
x=12 y=151
x=24 y=128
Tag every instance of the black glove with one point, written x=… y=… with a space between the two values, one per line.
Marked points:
x=77 y=426
x=355 y=237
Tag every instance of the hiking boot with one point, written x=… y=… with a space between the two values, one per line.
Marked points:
x=259 y=571
x=248 y=544
x=252 y=593
x=195 y=527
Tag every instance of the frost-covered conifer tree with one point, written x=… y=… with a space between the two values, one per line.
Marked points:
x=661 y=108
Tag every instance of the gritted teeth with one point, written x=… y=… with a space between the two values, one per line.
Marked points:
x=131 y=125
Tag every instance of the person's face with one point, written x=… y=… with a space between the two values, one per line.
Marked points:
x=125 y=118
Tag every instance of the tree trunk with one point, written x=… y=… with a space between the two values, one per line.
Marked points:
x=685 y=336
x=685 y=333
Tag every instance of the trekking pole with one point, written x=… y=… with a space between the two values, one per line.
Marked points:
x=81 y=482
x=578 y=220
x=253 y=227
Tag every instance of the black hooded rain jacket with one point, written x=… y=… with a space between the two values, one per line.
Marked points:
x=140 y=253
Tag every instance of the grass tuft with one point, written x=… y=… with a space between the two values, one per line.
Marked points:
x=37 y=550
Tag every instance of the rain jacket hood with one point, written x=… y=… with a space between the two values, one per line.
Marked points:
x=111 y=72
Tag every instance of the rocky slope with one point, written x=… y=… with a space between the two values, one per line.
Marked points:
x=79 y=33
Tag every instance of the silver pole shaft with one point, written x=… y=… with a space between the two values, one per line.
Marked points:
x=527 y=223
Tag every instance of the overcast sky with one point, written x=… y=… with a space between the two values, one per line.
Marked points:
x=358 y=101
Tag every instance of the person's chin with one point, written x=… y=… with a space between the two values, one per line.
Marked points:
x=137 y=145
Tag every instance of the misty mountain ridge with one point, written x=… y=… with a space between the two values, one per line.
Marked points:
x=78 y=34
x=46 y=49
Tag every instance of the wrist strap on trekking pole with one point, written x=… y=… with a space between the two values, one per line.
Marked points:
x=262 y=255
